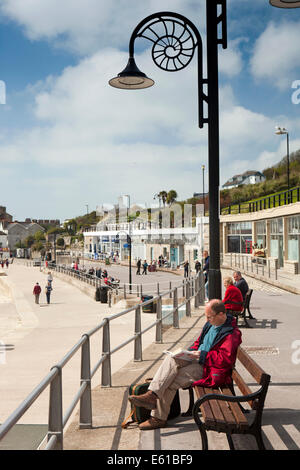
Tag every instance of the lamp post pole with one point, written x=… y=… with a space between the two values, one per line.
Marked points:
x=283 y=131
x=203 y=192
x=175 y=39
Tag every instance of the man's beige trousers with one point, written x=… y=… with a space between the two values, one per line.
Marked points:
x=171 y=376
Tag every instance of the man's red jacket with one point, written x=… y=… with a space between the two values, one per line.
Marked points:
x=37 y=289
x=233 y=299
x=220 y=360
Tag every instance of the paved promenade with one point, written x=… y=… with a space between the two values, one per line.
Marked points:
x=41 y=335
x=36 y=337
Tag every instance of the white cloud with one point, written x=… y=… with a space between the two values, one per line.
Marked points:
x=276 y=54
x=85 y=26
x=102 y=141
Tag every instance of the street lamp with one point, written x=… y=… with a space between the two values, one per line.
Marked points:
x=175 y=40
x=285 y=3
x=128 y=238
x=203 y=194
x=283 y=131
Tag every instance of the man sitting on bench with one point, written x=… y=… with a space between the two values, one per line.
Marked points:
x=214 y=357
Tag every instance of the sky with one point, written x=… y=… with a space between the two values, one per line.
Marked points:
x=69 y=142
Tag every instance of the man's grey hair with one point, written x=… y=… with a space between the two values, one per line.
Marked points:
x=238 y=273
x=217 y=306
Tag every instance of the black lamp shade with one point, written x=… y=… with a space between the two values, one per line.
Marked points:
x=285 y=3
x=131 y=78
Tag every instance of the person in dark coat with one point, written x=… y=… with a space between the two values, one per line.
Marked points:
x=186 y=269
x=197 y=266
x=240 y=283
x=36 y=292
x=138 y=265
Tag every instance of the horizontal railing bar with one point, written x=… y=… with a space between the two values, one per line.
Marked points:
x=71 y=353
x=96 y=367
x=122 y=345
x=97 y=328
x=74 y=403
x=18 y=413
x=51 y=443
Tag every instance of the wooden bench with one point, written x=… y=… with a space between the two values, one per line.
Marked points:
x=245 y=313
x=219 y=409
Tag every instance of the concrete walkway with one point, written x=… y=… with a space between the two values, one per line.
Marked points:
x=35 y=337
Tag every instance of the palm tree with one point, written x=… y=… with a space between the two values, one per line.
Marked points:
x=171 y=196
x=163 y=196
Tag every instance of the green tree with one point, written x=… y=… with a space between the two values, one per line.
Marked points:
x=171 y=196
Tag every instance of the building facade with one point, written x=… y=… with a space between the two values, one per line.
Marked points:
x=275 y=231
x=149 y=241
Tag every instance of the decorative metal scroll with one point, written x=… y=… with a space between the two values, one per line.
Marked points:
x=173 y=41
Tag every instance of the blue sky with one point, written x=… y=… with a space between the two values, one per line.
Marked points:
x=67 y=139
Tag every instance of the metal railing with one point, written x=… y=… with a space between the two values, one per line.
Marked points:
x=267 y=202
x=137 y=289
x=57 y=420
x=251 y=265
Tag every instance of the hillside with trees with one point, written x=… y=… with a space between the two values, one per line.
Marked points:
x=276 y=180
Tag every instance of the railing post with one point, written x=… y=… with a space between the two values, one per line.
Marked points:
x=175 y=309
x=55 y=420
x=158 y=335
x=106 y=365
x=138 y=336
x=85 y=421
x=170 y=287
x=188 y=299
x=124 y=291
x=196 y=292
x=141 y=289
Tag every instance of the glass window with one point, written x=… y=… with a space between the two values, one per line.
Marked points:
x=240 y=237
x=293 y=247
x=234 y=244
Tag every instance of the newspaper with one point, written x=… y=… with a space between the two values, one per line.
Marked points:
x=181 y=354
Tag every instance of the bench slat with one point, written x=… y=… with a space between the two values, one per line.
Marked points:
x=206 y=410
x=239 y=416
x=242 y=386
x=228 y=417
x=214 y=404
x=252 y=367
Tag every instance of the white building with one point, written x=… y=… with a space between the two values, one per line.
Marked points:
x=149 y=241
x=249 y=177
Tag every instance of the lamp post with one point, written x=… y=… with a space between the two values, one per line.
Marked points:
x=203 y=193
x=175 y=40
x=285 y=3
x=128 y=238
x=283 y=131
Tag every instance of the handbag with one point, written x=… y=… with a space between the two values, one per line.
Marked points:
x=139 y=414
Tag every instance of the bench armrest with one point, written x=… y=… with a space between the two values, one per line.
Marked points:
x=231 y=398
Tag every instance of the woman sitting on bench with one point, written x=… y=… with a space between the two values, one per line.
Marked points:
x=233 y=299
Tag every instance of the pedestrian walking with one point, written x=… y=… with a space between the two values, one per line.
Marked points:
x=48 y=290
x=145 y=266
x=7 y=262
x=36 y=292
x=138 y=265
x=197 y=266
x=186 y=269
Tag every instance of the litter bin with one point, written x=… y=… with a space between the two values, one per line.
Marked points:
x=150 y=308
x=103 y=295
x=97 y=294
